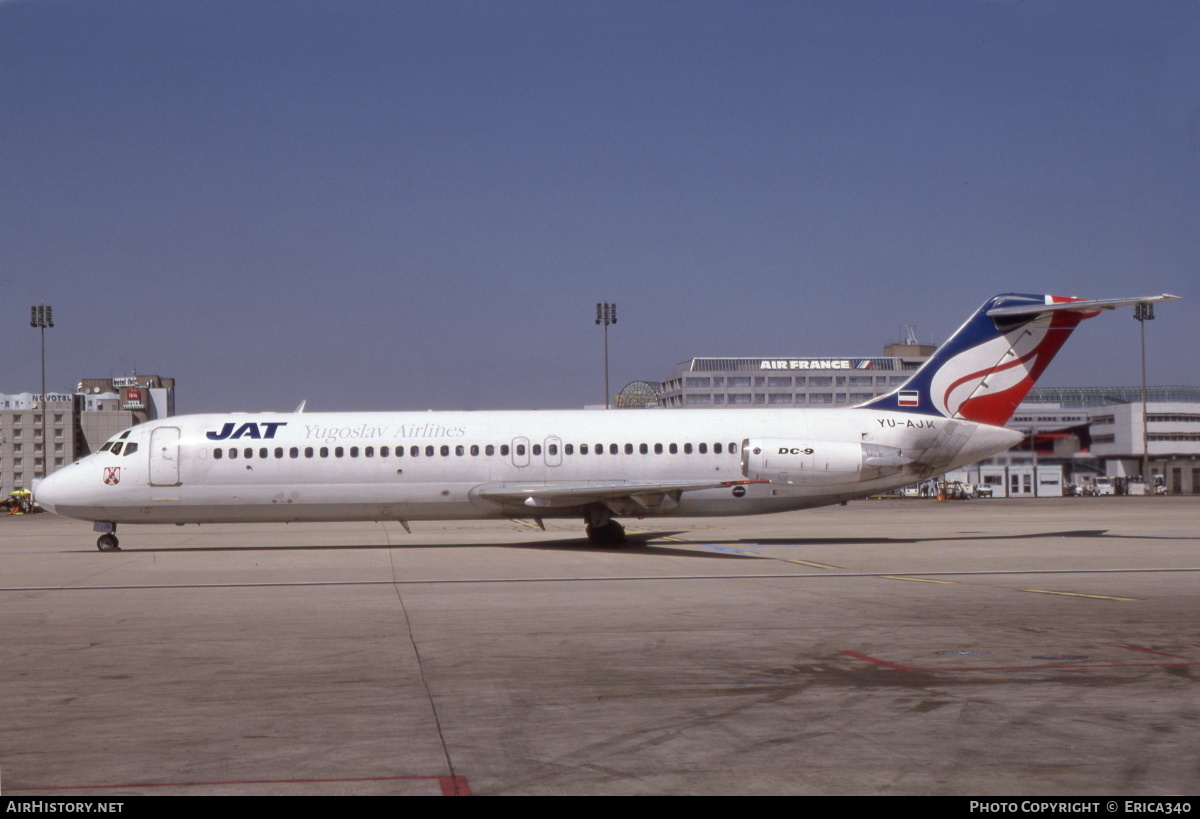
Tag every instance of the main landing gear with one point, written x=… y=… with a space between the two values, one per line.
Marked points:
x=107 y=542
x=602 y=530
x=610 y=534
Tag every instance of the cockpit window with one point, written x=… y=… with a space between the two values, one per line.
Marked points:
x=116 y=450
x=107 y=446
x=131 y=448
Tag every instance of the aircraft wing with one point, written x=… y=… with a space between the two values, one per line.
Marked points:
x=1089 y=306
x=646 y=494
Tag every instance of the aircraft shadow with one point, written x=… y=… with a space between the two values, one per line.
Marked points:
x=636 y=544
x=866 y=541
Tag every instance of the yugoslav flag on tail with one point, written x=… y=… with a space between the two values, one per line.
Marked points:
x=986 y=368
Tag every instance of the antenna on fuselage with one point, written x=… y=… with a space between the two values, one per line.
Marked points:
x=300 y=408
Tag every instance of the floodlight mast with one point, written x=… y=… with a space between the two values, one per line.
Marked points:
x=41 y=316
x=606 y=314
x=1144 y=313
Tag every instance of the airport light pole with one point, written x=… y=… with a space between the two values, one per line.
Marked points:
x=41 y=316
x=1144 y=313
x=606 y=314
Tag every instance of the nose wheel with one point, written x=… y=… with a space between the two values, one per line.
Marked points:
x=108 y=543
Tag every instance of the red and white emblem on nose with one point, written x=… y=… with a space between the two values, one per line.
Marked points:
x=112 y=475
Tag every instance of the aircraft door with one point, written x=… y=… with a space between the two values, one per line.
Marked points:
x=164 y=456
x=520 y=452
x=553 y=451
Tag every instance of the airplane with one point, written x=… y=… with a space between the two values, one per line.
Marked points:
x=593 y=465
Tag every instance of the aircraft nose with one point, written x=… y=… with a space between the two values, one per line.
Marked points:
x=47 y=492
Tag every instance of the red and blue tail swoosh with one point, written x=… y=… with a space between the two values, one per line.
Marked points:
x=986 y=368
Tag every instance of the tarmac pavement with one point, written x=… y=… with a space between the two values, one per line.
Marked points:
x=990 y=647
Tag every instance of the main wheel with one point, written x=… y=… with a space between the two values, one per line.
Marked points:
x=108 y=543
x=610 y=534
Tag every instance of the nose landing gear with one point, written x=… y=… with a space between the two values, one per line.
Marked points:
x=107 y=542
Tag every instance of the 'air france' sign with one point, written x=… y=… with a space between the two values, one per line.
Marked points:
x=805 y=364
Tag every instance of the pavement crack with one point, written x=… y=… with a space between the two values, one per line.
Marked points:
x=437 y=722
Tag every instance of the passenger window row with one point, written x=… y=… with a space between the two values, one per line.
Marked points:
x=429 y=451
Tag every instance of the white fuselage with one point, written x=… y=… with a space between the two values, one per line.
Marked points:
x=439 y=465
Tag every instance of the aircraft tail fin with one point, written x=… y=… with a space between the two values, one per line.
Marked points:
x=989 y=365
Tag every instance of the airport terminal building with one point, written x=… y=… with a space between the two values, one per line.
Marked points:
x=790 y=382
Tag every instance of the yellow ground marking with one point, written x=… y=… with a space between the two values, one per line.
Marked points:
x=1077 y=594
x=915 y=579
x=806 y=563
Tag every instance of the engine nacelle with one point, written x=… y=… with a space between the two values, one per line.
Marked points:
x=789 y=460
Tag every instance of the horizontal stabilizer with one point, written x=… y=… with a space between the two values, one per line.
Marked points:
x=1087 y=306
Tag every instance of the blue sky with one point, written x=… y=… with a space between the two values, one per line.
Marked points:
x=413 y=205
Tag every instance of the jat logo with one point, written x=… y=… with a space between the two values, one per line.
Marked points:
x=250 y=429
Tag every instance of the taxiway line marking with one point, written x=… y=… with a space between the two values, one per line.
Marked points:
x=916 y=579
x=1079 y=594
x=593 y=579
x=806 y=563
